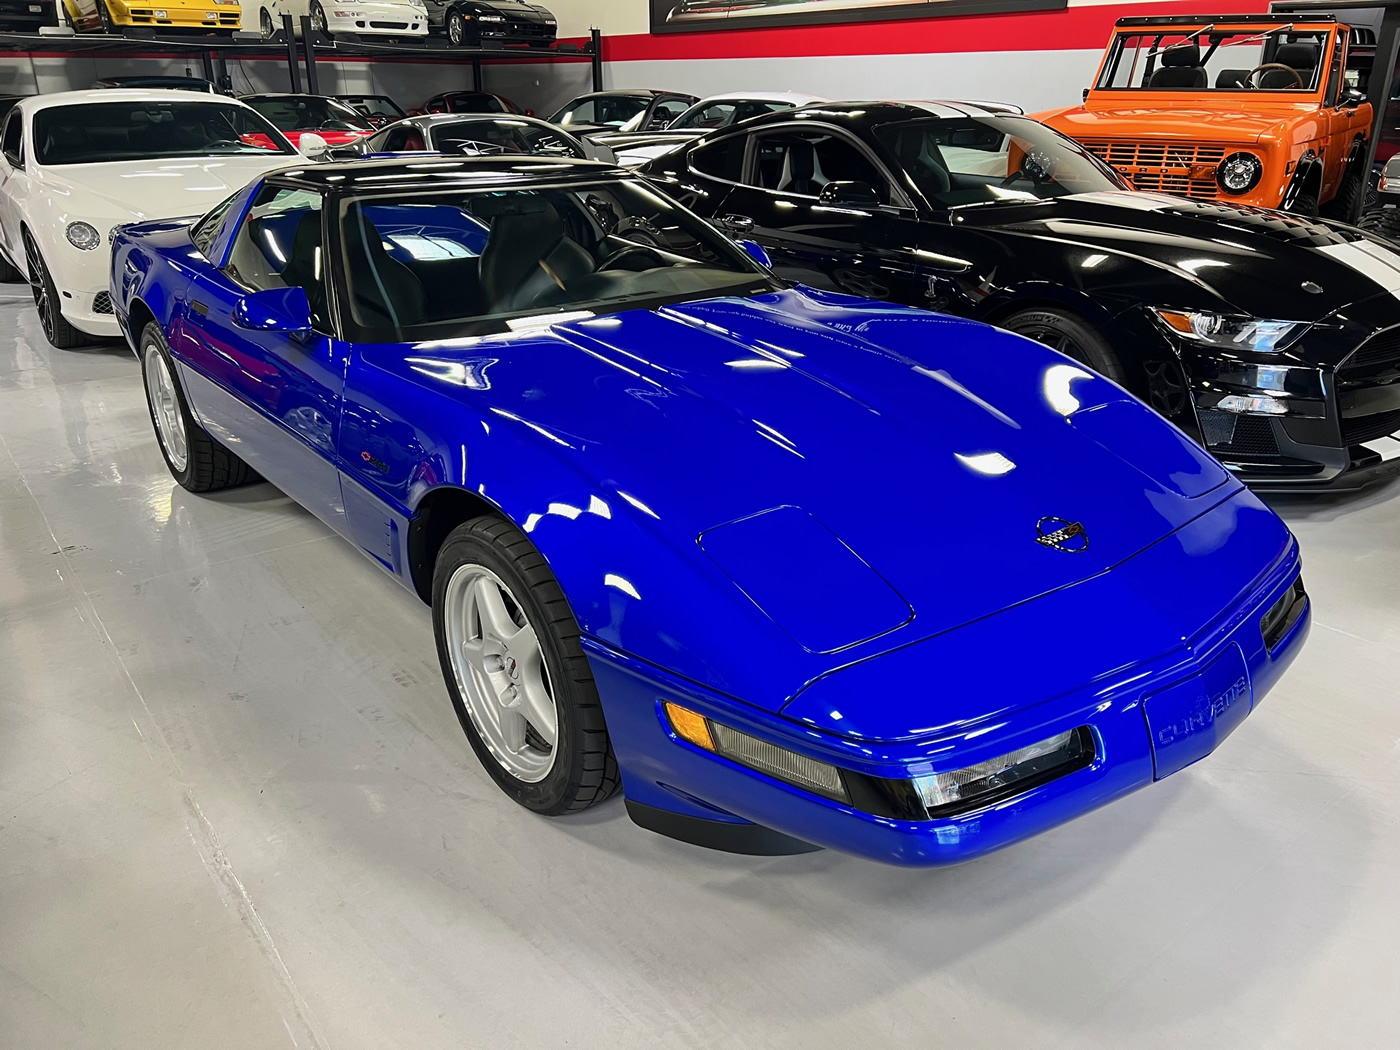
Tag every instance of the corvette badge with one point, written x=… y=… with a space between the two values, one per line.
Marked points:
x=1063 y=535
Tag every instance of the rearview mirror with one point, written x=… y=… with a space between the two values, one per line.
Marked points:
x=756 y=252
x=851 y=194
x=274 y=310
x=312 y=146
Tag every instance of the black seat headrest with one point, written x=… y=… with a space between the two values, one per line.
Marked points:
x=1232 y=78
x=1298 y=56
x=1182 y=55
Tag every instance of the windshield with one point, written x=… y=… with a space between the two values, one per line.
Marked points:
x=310 y=113
x=611 y=110
x=94 y=133
x=374 y=106
x=502 y=136
x=977 y=160
x=708 y=115
x=1203 y=59
x=464 y=263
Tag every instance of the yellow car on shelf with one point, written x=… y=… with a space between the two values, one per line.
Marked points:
x=112 y=16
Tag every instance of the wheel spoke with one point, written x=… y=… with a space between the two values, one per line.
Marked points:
x=492 y=609
x=512 y=724
x=536 y=703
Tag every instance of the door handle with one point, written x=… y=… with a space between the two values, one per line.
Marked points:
x=736 y=223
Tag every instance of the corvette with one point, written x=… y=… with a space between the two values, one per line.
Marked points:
x=76 y=164
x=790 y=568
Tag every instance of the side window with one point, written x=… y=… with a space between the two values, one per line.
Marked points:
x=12 y=139
x=667 y=111
x=721 y=160
x=279 y=246
x=802 y=162
x=754 y=109
x=405 y=139
x=206 y=230
x=715 y=116
x=580 y=114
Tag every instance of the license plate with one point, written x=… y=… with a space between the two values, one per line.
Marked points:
x=1189 y=720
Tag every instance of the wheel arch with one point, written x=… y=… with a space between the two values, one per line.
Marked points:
x=1307 y=179
x=439 y=512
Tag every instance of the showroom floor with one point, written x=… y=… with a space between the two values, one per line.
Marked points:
x=236 y=811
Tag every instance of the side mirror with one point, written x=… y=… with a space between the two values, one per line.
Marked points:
x=756 y=252
x=1085 y=96
x=274 y=310
x=850 y=194
x=1351 y=98
x=599 y=151
x=312 y=146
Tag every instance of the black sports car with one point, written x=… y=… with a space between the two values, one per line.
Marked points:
x=622 y=110
x=25 y=16
x=487 y=23
x=1273 y=338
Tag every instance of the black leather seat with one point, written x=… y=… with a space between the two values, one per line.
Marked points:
x=923 y=161
x=304 y=268
x=529 y=256
x=1181 y=69
x=1299 y=57
x=799 y=174
x=384 y=292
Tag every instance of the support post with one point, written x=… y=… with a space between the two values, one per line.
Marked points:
x=595 y=44
x=208 y=57
x=308 y=47
x=221 y=78
x=289 y=37
x=476 y=75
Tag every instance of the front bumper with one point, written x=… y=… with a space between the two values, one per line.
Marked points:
x=374 y=18
x=208 y=16
x=1147 y=716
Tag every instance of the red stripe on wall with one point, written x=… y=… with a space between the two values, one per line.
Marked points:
x=1065 y=29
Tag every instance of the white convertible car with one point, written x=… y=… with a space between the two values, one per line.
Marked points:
x=75 y=165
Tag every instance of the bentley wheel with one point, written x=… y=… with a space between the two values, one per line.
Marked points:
x=196 y=460
x=1070 y=335
x=56 y=327
x=456 y=28
x=510 y=654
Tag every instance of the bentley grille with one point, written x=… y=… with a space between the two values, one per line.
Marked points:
x=1184 y=169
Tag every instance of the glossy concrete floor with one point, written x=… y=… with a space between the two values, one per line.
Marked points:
x=236 y=811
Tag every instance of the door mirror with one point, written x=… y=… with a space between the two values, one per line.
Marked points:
x=312 y=146
x=850 y=194
x=598 y=151
x=274 y=310
x=1351 y=98
x=1084 y=96
x=756 y=252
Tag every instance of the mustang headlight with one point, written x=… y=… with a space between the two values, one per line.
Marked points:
x=83 y=236
x=1233 y=333
x=1006 y=774
x=1239 y=173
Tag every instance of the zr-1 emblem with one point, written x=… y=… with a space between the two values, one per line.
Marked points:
x=1063 y=535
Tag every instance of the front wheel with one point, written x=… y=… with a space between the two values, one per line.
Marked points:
x=196 y=460
x=318 y=18
x=46 y=300
x=266 y=29
x=456 y=28
x=521 y=686
x=1070 y=334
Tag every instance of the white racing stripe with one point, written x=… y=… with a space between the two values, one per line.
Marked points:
x=1387 y=448
x=1379 y=264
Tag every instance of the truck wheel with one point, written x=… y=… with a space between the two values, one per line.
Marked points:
x=1384 y=222
x=1304 y=204
x=1346 y=205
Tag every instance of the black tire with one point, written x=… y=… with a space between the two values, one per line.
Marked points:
x=1068 y=333
x=9 y=272
x=584 y=770
x=456 y=28
x=1304 y=204
x=1384 y=222
x=46 y=300
x=1346 y=205
x=267 y=29
x=208 y=466
x=104 y=17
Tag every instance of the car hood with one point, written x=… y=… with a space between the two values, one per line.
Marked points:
x=518 y=12
x=1187 y=124
x=1245 y=260
x=893 y=464
x=132 y=191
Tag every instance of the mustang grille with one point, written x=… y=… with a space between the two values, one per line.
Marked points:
x=101 y=303
x=1226 y=432
x=1165 y=167
x=1380 y=350
x=1368 y=428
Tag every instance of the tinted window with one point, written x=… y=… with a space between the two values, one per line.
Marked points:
x=13 y=139
x=406 y=138
x=374 y=105
x=206 y=230
x=310 y=113
x=723 y=159
x=477 y=104
x=279 y=246
x=502 y=136
x=459 y=263
x=667 y=111
x=114 y=131
x=802 y=162
x=612 y=110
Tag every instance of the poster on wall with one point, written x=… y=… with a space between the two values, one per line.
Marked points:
x=688 y=16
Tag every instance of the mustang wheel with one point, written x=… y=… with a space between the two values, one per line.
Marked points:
x=1070 y=335
x=56 y=327
x=509 y=648
x=196 y=460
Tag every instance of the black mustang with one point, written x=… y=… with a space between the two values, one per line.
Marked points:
x=1273 y=338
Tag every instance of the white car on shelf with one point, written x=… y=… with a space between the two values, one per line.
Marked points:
x=394 y=18
x=77 y=164
x=707 y=115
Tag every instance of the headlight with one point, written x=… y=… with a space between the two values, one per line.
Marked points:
x=83 y=236
x=1239 y=173
x=1011 y=773
x=1234 y=333
x=227 y=3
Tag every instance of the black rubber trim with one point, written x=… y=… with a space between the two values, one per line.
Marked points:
x=751 y=839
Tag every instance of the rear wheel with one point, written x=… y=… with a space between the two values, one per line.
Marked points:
x=456 y=28
x=510 y=654
x=196 y=460
x=1346 y=205
x=46 y=300
x=1070 y=334
x=1304 y=204
x=104 y=17
x=1383 y=221
x=266 y=29
x=318 y=18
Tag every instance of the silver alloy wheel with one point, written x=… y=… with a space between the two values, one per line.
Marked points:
x=500 y=672
x=165 y=407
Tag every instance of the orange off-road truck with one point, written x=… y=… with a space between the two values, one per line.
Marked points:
x=1250 y=109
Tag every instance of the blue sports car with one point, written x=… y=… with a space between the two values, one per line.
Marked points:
x=789 y=568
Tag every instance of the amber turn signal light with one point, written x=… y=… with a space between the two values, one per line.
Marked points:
x=690 y=726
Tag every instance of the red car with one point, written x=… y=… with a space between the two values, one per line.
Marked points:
x=469 y=102
x=293 y=115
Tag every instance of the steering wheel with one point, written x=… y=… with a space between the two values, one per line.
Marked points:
x=1037 y=166
x=1266 y=67
x=612 y=261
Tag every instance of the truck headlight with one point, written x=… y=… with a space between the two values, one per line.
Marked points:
x=83 y=236
x=1239 y=173
x=1234 y=333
